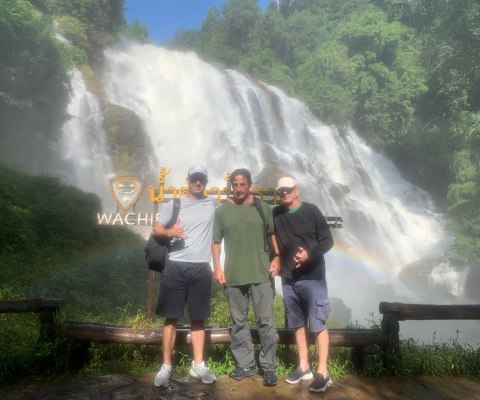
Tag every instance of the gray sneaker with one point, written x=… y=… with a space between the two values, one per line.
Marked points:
x=241 y=373
x=202 y=372
x=163 y=376
x=299 y=375
x=320 y=383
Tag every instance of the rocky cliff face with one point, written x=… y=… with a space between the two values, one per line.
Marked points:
x=130 y=147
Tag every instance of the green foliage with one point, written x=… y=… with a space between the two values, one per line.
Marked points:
x=43 y=212
x=100 y=21
x=464 y=193
x=73 y=30
x=33 y=69
x=389 y=77
x=438 y=359
x=327 y=80
x=18 y=351
x=52 y=247
x=137 y=31
x=241 y=18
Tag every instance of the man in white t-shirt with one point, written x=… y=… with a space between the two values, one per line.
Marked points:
x=187 y=276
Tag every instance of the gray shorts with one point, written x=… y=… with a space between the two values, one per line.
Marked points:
x=185 y=283
x=306 y=302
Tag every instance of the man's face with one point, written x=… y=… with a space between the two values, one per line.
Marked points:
x=287 y=195
x=241 y=188
x=196 y=184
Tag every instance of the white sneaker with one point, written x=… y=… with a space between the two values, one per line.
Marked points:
x=202 y=372
x=163 y=376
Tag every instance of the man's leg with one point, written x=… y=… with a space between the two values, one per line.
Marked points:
x=168 y=339
x=198 y=340
x=301 y=337
x=321 y=381
x=241 y=345
x=199 y=285
x=322 y=343
x=199 y=370
x=262 y=302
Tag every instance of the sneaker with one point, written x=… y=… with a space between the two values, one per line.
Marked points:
x=163 y=376
x=299 y=375
x=320 y=384
x=241 y=373
x=269 y=378
x=202 y=372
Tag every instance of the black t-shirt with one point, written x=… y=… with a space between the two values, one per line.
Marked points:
x=305 y=227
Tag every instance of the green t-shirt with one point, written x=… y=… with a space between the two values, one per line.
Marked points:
x=241 y=227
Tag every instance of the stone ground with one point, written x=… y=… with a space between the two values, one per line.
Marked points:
x=119 y=387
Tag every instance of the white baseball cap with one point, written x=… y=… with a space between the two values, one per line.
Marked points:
x=198 y=169
x=286 y=182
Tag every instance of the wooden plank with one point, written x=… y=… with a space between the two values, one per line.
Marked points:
x=465 y=387
x=404 y=311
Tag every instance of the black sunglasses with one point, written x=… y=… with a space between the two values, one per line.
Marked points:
x=198 y=177
x=282 y=191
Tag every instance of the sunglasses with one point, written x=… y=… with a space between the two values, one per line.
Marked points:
x=284 y=191
x=198 y=177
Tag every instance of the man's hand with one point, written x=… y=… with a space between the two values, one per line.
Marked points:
x=301 y=257
x=219 y=276
x=176 y=231
x=275 y=267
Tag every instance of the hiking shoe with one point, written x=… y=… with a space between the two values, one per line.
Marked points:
x=269 y=378
x=202 y=372
x=241 y=373
x=163 y=376
x=299 y=375
x=320 y=384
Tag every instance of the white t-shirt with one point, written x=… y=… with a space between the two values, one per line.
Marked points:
x=196 y=218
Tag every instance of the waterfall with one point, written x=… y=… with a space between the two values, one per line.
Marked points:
x=193 y=112
x=83 y=144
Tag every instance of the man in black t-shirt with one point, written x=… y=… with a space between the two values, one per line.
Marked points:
x=303 y=238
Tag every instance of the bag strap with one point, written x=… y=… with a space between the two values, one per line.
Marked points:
x=176 y=211
x=259 y=208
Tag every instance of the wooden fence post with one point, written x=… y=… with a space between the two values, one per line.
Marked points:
x=49 y=323
x=390 y=329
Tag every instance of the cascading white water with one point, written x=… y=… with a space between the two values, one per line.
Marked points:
x=83 y=144
x=196 y=113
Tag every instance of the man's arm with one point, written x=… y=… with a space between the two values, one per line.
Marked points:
x=218 y=273
x=275 y=265
x=324 y=240
x=176 y=231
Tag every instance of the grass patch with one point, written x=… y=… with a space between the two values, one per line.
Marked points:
x=438 y=359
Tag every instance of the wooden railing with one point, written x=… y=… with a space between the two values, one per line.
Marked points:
x=47 y=310
x=364 y=342
x=395 y=312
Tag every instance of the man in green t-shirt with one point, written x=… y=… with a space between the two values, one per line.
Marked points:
x=246 y=275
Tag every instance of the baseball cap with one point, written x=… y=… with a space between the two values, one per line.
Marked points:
x=198 y=169
x=286 y=182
